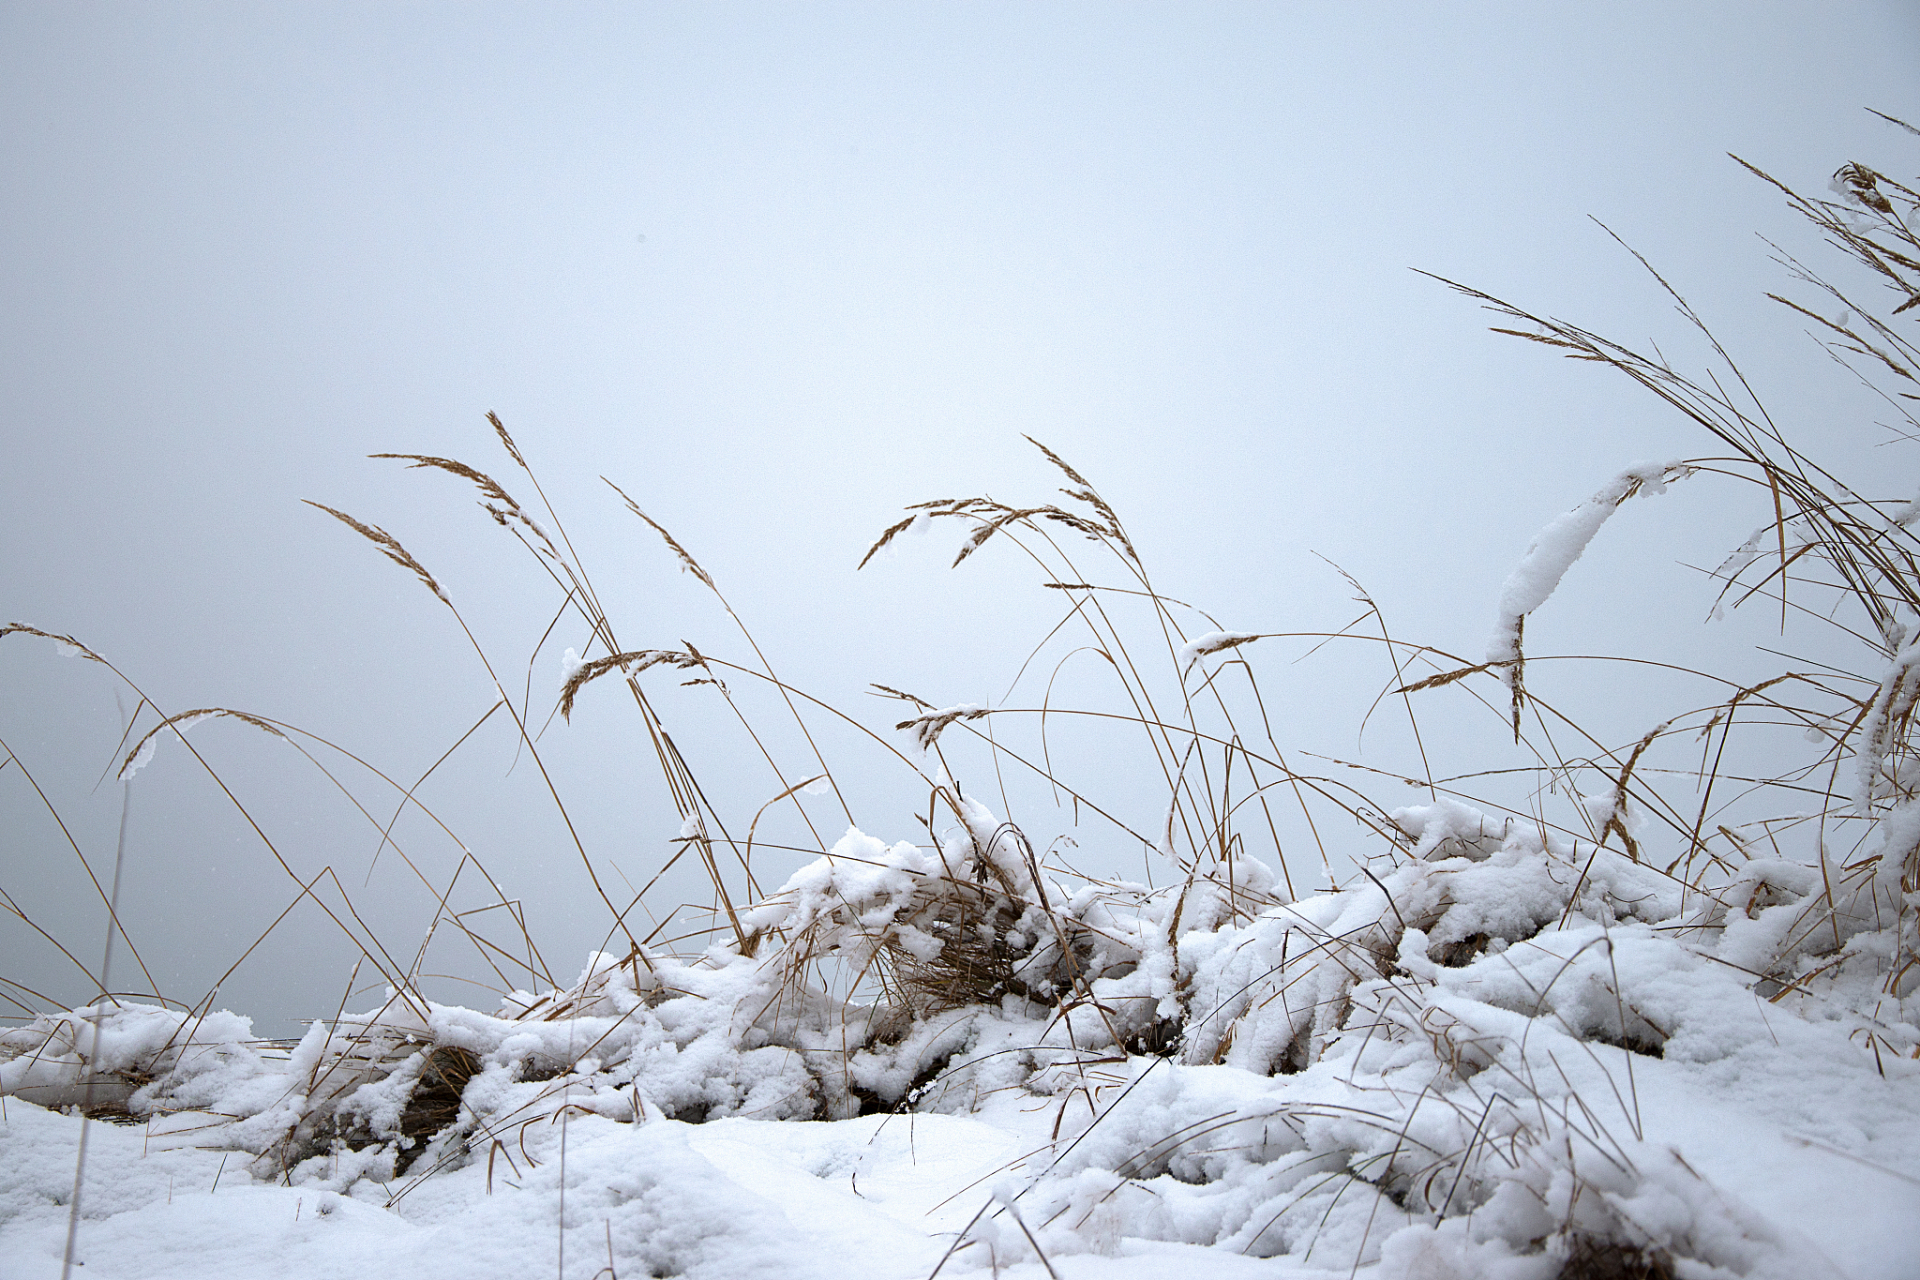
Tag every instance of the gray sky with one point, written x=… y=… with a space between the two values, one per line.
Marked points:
x=778 y=270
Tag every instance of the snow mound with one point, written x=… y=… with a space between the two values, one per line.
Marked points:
x=1487 y=1058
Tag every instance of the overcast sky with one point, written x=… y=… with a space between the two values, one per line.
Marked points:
x=778 y=270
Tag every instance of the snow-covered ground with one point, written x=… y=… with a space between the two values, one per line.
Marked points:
x=1504 y=1057
x=872 y=1197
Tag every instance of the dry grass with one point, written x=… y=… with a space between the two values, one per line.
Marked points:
x=1674 y=797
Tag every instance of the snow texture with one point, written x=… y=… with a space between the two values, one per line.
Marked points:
x=1500 y=1054
x=1563 y=541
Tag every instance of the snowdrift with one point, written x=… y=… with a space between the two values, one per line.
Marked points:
x=1503 y=1056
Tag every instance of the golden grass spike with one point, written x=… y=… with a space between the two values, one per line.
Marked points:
x=1220 y=645
x=888 y=535
x=389 y=546
x=1088 y=494
x=131 y=763
x=497 y=502
x=928 y=728
x=1061 y=463
x=632 y=663
x=891 y=692
x=1516 y=674
x=987 y=528
x=1895 y=120
x=81 y=650
x=1080 y=524
x=513 y=450
x=1541 y=338
x=1863 y=346
x=986 y=509
x=1445 y=677
x=1616 y=821
x=1863 y=184
x=486 y=483
x=687 y=561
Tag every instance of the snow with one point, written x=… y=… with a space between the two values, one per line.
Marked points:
x=1499 y=1048
x=1555 y=548
x=1891 y=702
x=927 y=728
x=144 y=753
x=1212 y=642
